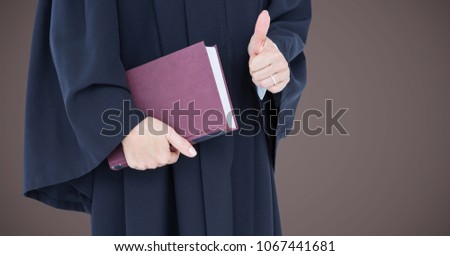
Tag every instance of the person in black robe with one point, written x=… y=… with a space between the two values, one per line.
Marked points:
x=80 y=52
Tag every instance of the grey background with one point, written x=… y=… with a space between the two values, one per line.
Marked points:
x=386 y=60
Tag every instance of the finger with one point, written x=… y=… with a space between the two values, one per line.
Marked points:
x=151 y=165
x=259 y=36
x=163 y=157
x=263 y=60
x=273 y=80
x=277 y=67
x=180 y=143
x=279 y=87
x=141 y=166
x=262 y=24
x=267 y=83
x=132 y=162
x=136 y=167
x=174 y=157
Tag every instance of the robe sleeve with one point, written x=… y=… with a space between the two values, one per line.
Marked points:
x=288 y=30
x=75 y=75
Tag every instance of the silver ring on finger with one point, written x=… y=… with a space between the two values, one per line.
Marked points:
x=273 y=80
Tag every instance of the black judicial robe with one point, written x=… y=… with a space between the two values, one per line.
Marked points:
x=80 y=51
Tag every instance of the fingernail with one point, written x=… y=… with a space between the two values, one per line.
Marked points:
x=192 y=151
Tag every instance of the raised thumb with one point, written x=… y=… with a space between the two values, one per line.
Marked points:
x=259 y=37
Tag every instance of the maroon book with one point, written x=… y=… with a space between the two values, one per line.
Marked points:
x=186 y=90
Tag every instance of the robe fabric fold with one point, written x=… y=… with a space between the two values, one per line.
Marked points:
x=80 y=52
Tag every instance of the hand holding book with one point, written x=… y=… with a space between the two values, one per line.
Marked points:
x=151 y=150
x=185 y=98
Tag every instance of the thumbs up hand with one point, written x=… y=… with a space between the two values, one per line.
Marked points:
x=268 y=67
